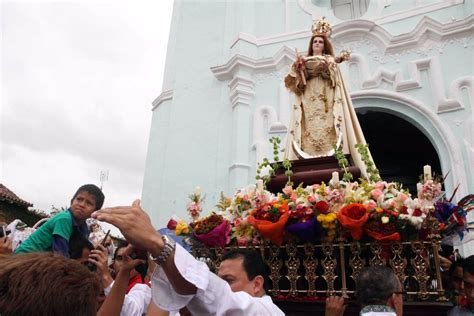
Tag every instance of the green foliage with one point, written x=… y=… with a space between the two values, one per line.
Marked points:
x=372 y=172
x=275 y=165
x=343 y=163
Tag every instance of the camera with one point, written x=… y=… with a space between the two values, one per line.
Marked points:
x=142 y=269
x=3 y=231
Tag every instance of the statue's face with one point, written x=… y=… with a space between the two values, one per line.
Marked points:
x=318 y=45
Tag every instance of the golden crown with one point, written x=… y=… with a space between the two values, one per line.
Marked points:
x=321 y=27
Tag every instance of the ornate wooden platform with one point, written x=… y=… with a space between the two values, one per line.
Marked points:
x=303 y=275
x=298 y=308
x=310 y=171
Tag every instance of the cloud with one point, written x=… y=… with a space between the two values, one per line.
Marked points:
x=78 y=79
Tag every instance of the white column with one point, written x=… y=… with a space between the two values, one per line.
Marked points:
x=241 y=95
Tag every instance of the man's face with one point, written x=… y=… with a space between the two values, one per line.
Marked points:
x=469 y=288
x=232 y=271
x=456 y=280
x=118 y=261
x=83 y=205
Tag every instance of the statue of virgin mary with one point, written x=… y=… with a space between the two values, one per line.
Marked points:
x=322 y=115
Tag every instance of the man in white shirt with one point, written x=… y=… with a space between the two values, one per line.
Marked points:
x=181 y=280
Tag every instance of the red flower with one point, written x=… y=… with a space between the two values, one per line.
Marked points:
x=404 y=210
x=171 y=224
x=322 y=207
x=417 y=212
x=382 y=232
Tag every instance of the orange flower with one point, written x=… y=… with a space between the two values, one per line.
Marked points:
x=353 y=217
x=271 y=230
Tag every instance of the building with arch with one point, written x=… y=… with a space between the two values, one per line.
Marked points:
x=223 y=94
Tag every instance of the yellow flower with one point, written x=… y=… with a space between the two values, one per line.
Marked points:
x=326 y=218
x=182 y=228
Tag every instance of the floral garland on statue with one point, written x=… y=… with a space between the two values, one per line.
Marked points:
x=381 y=211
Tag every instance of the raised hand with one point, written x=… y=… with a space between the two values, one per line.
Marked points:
x=99 y=258
x=134 y=224
x=128 y=263
x=335 y=306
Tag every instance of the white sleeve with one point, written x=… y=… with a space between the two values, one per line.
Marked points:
x=214 y=296
x=136 y=301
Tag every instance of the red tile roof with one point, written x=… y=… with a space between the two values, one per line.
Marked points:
x=10 y=197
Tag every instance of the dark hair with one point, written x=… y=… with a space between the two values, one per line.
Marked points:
x=46 y=284
x=93 y=190
x=375 y=285
x=454 y=265
x=328 y=50
x=77 y=244
x=120 y=244
x=253 y=264
x=468 y=265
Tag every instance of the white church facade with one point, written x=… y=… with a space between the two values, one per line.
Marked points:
x=410 y=78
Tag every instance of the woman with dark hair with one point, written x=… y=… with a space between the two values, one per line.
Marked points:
x=322 y=115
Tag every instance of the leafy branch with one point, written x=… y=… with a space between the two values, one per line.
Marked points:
x=275 y=165
x=372 y=172
x=343 y=163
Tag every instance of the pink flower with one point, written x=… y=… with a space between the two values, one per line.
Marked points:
x=376 y=193
x=245 y=197
x=402 y=196
x=380 y=186
x=288 y=190
x=293 y=196
x=237 y=221
x=242 y=241
x=371 y=204
x=311 y=199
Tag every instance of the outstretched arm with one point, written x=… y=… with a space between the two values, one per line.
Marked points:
x=136 y=227
x=343 y=56
x=114 y=301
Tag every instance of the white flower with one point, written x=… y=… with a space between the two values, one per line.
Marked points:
x=385 y=219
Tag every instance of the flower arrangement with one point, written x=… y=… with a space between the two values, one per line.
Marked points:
x=194 y=207
x=212 y=230
x=269 y=220
x=379 y=210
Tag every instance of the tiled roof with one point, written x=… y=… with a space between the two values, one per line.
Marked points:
x=10 y=197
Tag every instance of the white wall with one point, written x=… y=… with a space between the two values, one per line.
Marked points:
x=223 y=96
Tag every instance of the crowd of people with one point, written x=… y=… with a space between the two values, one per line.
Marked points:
x=59 y=271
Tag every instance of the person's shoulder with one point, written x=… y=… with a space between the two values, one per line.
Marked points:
x=62 y=215
x=270 y=305
x=459 y=311
x=141 y=287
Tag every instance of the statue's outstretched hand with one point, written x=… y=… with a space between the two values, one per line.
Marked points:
x=345 y=55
